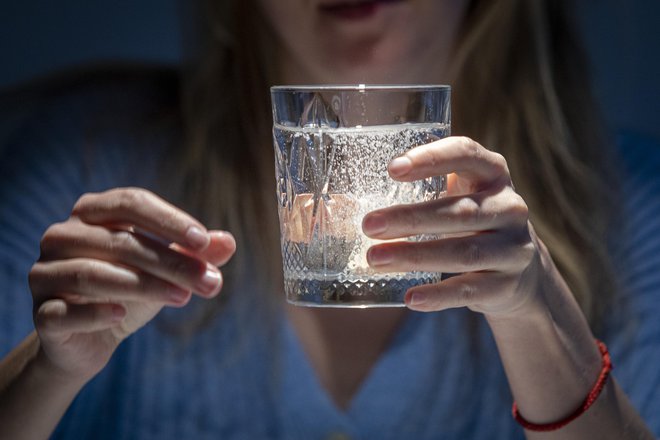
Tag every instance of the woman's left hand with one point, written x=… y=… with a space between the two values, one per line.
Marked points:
x=484 y=224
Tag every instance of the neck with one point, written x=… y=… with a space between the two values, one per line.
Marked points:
x=344 y=344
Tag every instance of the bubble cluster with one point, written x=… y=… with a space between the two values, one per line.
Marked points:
x=328 y=179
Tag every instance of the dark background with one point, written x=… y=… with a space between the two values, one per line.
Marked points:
x=42 y=36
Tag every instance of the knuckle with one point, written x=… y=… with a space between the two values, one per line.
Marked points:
x=527 y=251
x=470 y=147
x=465 y=141
x=56 y=230
x=34 y=277
x=86 y=277
x=123 y=243
x=81 y=280
x=500 y=162
x=42 y=281
x=128 y=199
x=170 y=220
x=465 y=293
x=467 y=211
x=411 y=217
x=426 y=156
x=469 y=254
x=184 y=268
x=519 y=253
x=415 y=256
x=517 y=208
x=53 y=238
x=83 y=204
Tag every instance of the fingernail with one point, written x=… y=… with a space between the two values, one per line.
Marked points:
x=374 y=224
x=210 y=280
x=400 y=166
x=197 y=238
x=379 y=256
x=417 y=298
x=118 y=313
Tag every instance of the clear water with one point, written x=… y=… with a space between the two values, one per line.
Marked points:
x=327 y=180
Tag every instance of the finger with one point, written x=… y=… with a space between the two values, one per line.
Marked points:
x=144 y=210
x=480 y=291
x=487 y=251
x=219 y=251
x=78 y=240
x=100 y=281
x=59 y=318
x=454 y=154
x=484 y=211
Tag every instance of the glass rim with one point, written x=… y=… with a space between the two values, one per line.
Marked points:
x=361 y=88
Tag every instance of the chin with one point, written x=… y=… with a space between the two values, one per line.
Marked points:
x=369 y=75
x=375 y=73
x=393 y=58
x=384 y=61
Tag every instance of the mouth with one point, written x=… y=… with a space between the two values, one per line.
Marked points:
x=353 y=10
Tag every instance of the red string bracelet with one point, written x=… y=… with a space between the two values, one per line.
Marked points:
x=591 y=398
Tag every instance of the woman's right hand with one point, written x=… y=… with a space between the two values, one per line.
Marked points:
x=110 y=268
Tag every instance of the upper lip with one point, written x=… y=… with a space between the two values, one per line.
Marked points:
x=338 y=3
x=329 y=4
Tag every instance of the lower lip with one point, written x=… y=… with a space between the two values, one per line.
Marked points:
x=355 y=11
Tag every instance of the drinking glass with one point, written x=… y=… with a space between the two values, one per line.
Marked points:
x=332 y=147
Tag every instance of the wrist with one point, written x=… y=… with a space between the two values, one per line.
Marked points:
x=33 y=394
x=548 y=351
x=43 y=369
x=589 y=400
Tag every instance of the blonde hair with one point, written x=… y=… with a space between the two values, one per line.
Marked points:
x=521 y=88
x=518 y=87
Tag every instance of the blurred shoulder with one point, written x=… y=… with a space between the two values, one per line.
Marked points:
x=115 y=85
x=91 y=102
x=85 y=132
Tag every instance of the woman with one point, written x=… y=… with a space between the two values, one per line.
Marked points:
x=124 y=262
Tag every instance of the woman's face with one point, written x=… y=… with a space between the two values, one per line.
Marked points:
x=363 y=41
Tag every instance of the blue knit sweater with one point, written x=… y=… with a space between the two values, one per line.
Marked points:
x=244 y=377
